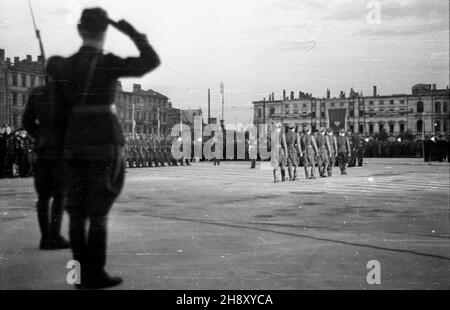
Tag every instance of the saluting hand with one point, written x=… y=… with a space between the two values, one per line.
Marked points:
x=124 y=27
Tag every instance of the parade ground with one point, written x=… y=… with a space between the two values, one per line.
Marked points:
x=230 y=227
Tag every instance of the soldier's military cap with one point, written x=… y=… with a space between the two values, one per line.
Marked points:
x=341 y=130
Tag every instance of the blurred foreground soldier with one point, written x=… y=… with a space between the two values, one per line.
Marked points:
x=324 y=148
x=343 y=147
x=309 y=147
x=293 y=149
x=49 y=180
x=94 y=139
x=333 y=151
x=278 y=152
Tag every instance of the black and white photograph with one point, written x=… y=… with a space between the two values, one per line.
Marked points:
x=224 y=150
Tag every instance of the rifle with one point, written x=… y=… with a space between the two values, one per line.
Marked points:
x=38 y=33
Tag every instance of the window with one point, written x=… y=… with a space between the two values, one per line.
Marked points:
x=391 y=102
x=361 y=128
x=446 y=125
x=402 y=128
x=313 y=114
x=419 y=126
x=420 y=107
x=14 y=96
x=381 y=102
x=286 y=106
x=437 y=107
x=322 y=114
x=295 y=105
x=24 y=100
x=361 y=112
x=371 y=129
x=14 y=79
x=391 y=128
x=351 y=127
x=437 y=126
x=371 y=102
x=402 y=101
x=445 y=107
x=380 y=127
x=352 y=113
x=342 y=104
x=259 y=112
x=304 y=105
x=24 y=80
x=271 y=111
x=33 y=80
x=332 y=104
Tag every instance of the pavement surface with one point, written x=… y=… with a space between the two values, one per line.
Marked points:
x=231 y=227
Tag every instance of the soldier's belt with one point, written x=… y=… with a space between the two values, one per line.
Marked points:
x=95 y=109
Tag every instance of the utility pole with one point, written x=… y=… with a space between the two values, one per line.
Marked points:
x=222 y=91
x=209 y=105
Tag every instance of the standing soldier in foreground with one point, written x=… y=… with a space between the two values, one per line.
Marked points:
x=49 y=180
x=309 y=147
x=333 y=151
x=85 y=84
x=278 y=152
x=343 y=147
x=293 y=146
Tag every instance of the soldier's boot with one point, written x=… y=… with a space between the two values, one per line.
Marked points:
x=187 y=162
x=290 y=173
x=329 y=171
x=283 y=175
x=275 y=179
x=324 y=170
x=295 y=174
x=306 y=172
x=312 y=177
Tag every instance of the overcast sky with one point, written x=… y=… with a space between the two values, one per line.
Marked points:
x=256 y=46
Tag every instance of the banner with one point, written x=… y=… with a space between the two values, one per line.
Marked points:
x=336 y=118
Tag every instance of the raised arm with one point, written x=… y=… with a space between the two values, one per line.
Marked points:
x=135 y=66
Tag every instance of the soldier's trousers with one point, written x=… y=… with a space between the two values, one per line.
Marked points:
x=332 y=160
x=97 y=177
x=50 y=182
x=342 y=160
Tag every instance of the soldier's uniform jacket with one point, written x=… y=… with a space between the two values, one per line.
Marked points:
x=309 y=145
x=89 y=119
x=343 y=144
x=38 y=118
x=333 y=145
x=292 y=144
x=323 y=145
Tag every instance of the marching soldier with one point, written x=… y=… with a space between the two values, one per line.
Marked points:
x=343 y=147
x=293 y=149
x=309 y=147
x=353 y=144
x=333 y=151
x=278 y=152
x=324 y=154
x=361 y=149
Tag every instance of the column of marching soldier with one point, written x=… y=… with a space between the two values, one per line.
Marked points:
x=321 y=151
x=151 y=151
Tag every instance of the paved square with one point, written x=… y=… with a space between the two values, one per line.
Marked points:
x=230 y=227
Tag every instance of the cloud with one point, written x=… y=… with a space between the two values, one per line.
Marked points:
x=390 y=10
x=405 y=30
